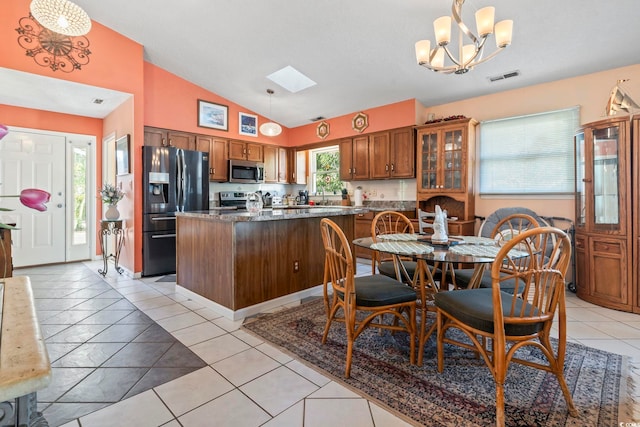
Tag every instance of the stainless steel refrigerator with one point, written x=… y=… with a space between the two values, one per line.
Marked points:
x=174 y=180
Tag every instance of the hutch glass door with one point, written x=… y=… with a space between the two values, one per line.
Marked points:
x=606 y=196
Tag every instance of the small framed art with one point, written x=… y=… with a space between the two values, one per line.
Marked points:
x=322 y=130
x=247 y=124
x=122 y=155
x=360 y=122
x=212 y=115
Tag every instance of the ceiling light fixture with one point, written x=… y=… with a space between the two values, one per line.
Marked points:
x=270 y=128
x=61 y=16
x=469 y=55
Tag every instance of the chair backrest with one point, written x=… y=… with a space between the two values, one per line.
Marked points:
x=338 y=257
x=489 y=223
x=423 y=224
x=388 y=222
x=542 y=276
x=510 y=226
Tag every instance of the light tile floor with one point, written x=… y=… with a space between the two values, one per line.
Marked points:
x=248 y=382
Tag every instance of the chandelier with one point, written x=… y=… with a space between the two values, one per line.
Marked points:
x=469 y=55
x=50 y=49
x=61 y=16
x=270 y=128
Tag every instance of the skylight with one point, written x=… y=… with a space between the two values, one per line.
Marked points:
x=291 y=79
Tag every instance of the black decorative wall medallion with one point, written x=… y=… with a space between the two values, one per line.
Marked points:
x=53 y=50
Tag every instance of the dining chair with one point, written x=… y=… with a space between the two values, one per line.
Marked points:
x=512 y=321
x=391 y=222
x=362 y=299
x=505 y=229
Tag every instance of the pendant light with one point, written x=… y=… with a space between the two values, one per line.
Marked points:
x=61 y=16
x=270 y=128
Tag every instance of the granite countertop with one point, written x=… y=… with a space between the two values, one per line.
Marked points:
x=270 y=214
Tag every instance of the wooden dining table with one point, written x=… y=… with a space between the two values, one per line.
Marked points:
x=458 y=250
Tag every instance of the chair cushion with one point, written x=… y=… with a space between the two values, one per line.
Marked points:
x=378 y=290
x=474 y=307
x=386 y=268
x=463 y=277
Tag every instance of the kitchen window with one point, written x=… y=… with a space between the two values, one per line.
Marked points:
x=529 y=155
x=325 y=170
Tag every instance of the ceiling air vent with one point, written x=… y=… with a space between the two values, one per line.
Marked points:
x=316 y=119
x=504 y=76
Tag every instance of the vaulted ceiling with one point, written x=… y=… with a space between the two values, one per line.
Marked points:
x=361 y=52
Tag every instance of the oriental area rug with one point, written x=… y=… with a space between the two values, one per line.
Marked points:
x=464 y=394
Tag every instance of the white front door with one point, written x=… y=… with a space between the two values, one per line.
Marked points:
x=37 y=159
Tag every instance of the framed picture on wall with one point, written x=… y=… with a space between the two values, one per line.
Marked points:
x=247 y=124
x=122 y=155
x=214 y=116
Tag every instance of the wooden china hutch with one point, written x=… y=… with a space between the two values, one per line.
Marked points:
x=607 y=240
x=445 y=169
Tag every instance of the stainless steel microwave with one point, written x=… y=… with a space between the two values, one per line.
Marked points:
x=247 y=172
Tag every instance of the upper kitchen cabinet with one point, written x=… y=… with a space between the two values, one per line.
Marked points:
x=168 y=138
x=283 y=165
x=242 y=150
x=298 y=161
x=270 y=163
x=275 y=164
x=603 y=231
x=392 y=154
x=217 y=149
x=445 y=160
x=354 y=158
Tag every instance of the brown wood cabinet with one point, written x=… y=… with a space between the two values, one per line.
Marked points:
x=283 y=165
x=354 y=158
x=269 y=259
x=392 y=154
x=169 y=138
x=6 y=260
x=270 y=153
x=275 y=164
x=603 y=227
x=297 y=166
x=635 y=218
x=218 y=162
x=242 y=150
x=445 y=165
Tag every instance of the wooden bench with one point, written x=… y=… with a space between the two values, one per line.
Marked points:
x=24 y=361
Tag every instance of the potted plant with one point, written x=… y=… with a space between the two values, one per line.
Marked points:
x=111 y=195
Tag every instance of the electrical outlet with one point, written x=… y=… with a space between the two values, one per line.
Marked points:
x=296 y=266
x=374 y=193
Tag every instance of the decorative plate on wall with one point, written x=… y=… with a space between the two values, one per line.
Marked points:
x=323 y=130
x=360 y=122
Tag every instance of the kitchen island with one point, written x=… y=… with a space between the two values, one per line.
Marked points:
x=247 y=262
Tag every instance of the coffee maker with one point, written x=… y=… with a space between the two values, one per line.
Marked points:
x=303 y=197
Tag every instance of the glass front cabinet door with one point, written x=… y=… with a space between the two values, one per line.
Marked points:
x=443 y=156
x=603 y=209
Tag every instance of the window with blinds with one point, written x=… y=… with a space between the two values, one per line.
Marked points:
x=528 y=155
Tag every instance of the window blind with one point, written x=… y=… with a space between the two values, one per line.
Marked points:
x=530 y=154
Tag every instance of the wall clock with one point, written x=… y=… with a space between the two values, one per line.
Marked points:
x=360 y=122
x=323 y=130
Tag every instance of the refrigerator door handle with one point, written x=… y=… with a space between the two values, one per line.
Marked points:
x=180 y=180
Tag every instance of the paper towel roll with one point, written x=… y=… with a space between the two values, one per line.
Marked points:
x=357 y=197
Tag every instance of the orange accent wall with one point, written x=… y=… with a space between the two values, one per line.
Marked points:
x=172 y=103
x=116 y=62
x=380 y=118
x=47 y=120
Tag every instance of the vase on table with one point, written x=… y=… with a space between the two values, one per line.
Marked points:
x=112 y=212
